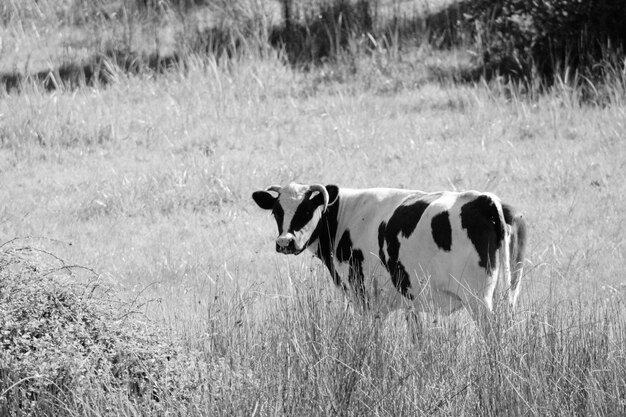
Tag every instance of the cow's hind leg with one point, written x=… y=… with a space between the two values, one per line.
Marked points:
x=481 y=307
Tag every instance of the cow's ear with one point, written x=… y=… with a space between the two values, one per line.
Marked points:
x=333 y=193
x=264 y=199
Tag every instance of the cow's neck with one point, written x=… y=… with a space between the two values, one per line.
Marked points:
x=322 y=242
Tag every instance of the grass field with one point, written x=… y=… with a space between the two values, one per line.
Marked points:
x=148 y=183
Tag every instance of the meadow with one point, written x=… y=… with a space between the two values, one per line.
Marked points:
x=133 y=200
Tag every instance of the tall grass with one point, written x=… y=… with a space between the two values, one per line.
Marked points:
x=502 y=40
x=306 y=353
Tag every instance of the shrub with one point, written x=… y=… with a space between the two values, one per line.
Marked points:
x=61 y=342
x=71 y=348
x=518 y=38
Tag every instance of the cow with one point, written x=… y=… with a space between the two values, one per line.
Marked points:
x=435 y=251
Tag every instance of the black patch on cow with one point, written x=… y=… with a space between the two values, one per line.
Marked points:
x=480 y=218
x=381 y=242
x=325 y=233
x=267 y=201
x=264 y=199
x=304 y=213
x=279 y=215
x=346 y=253
x=344 y=247
x=442 y=231
x=403 y=220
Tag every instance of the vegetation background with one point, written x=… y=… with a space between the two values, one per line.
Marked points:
x=137 y=277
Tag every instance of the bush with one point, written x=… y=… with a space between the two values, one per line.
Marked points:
x=69 y=348
x=61 y=342
x=520 y=38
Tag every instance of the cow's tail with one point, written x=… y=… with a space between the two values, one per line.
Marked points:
x=517 y=253
x=503 y=273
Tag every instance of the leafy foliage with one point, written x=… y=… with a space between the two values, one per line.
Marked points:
x=540 y=37
x=61 y=340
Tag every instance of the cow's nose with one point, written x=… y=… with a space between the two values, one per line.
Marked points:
x=284 y=240
x=285 y=243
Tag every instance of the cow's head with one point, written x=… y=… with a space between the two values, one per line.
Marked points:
x=297 y=209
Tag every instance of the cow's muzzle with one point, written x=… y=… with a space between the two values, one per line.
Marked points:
x=287 y=244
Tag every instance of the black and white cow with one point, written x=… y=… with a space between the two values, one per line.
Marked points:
x=438 y=251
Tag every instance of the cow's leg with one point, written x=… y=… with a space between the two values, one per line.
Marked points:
x=480 y=305
x=417 y=325
x=514 y=293
x=493 y=319
x=356 y=278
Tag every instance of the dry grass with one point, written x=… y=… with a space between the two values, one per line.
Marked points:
x=150 y=179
